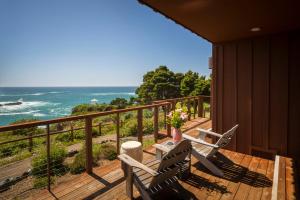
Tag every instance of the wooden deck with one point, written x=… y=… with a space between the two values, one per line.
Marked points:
x=248 y=177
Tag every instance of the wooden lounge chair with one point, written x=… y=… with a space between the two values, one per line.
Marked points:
x=153 y=176
x=203 y=150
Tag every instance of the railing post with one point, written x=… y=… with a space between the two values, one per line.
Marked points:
x=30 y=142
x=118 y=132
x=189 y=109
x=72 y=132
x=165 y=116
x=155 y=123
x=200 y=106
x=140 y=125
x=88 y=145
x=48 y=156
x=174 y=105
x=168 y=125
x=100 y=128
x=195 y=107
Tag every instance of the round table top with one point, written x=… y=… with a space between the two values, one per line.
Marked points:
x=131 y=145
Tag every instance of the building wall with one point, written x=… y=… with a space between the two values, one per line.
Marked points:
x=256 y=83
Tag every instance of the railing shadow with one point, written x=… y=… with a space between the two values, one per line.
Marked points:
x=200 y=183
x=174 y=192
x=107 y=186
x=237 y=173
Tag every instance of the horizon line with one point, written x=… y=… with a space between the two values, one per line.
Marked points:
x=66 y=86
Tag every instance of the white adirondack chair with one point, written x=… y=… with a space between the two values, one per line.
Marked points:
x=153 y=176
x=203 y=150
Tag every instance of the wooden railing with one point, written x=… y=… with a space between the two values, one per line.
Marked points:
x=166 y=105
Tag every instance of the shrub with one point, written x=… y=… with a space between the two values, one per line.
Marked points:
x=57 y=156
x=63 y=137
x=108 y=151
x=100 y=151
x=95 y=132
x=148 y=127
x=148 y=114
x=42 y=182
x=25 y=131
x=12 y=148
x=78 y=164
x=130 y=128
x=119 y=102
x=128 y=116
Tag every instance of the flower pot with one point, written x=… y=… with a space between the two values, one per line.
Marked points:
x=177 y=135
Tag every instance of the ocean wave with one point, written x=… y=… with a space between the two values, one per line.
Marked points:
x=33 y=94
x=39 y=115
x=60 y=111
x=20 y=113
x=55 y=92
x=25 y=105
x=113 y=93
x=20 y=95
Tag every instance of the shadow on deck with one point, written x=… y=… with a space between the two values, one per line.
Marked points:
x=246 y=177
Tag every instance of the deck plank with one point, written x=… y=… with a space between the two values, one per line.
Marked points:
x=233 y=186
x=108 y=182
x=256 y=191
x=244 y=189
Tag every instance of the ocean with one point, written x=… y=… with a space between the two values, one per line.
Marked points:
x=53 y=102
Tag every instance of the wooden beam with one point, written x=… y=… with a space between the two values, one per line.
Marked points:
x=118 y=132
x=140 y=125
x=88 y=145
x=155 y=123
x=48 y=157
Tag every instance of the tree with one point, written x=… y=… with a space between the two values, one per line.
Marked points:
x=119 y=102
x=202 y=86
x=159 y=84
x=187 y=85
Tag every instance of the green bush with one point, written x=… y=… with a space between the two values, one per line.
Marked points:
x=108 y=151
x=128 y=116
x=41 y=182
x=148 y=113
x=78 y=164
x=148 y=127
x=24 y=131
x=12 y=148
x=100 y=151
x=64 y=137
x=95 y=132
x=119 y=102
x=57 y=156
x=130 y=128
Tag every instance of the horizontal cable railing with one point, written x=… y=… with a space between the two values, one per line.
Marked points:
x=52 y=165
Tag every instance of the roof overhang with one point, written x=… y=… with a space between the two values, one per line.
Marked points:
x=227 y=20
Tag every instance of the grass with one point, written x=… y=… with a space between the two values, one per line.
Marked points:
x=20 y=156
x=148 y=142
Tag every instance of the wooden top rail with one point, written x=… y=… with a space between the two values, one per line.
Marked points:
x=181 y=98
x=78 y=117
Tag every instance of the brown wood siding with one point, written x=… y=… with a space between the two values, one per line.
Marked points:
x=229 y=90
x=293 y=147
x=244 y=94
x=257 y=85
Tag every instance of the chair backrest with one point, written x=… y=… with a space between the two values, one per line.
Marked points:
x=167 y=168
x=226 y=137
x=176 y=155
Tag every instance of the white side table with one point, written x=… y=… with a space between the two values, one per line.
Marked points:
x=134 y=149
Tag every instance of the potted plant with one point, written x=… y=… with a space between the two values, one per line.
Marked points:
x=177 y=119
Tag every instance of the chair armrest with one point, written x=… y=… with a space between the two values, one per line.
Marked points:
x=192 y=139
x=133 y=163
x=161 y=147
x=209 y=132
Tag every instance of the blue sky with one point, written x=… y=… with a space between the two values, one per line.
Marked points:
x=91 y=43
